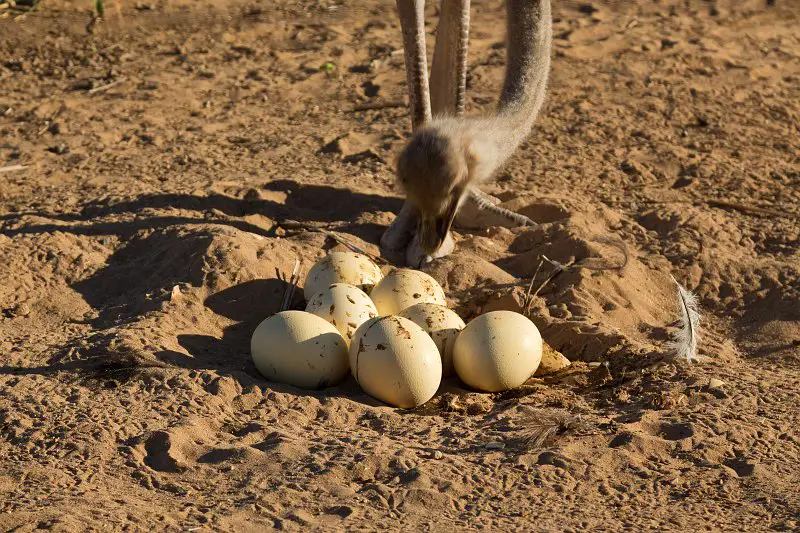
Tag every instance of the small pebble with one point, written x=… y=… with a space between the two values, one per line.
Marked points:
x=22 y=309
x=438 y=455
x=494 y=446
x=715 y=383
x=175 y=294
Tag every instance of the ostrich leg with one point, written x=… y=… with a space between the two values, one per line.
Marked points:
x=448 y=84
x=449 y=156
x=412 y=22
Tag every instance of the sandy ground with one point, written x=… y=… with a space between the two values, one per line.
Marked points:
x=168 y=152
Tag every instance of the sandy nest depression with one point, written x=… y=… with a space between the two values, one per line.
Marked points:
x=176 y=160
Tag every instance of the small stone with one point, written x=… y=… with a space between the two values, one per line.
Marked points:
x=59 y=149
x=682 y=182
x=255 y=75
x=630 y=168
x=342 y=492
x=22 y=309
x=479 y=406
x=600 y=375
x=342 y=511
x=552 y=361
x=339 y=145
x=553 y=459
x=301 y=517
x=494 y=446
x=253 y=195
x=715 y=383
x=438 y=455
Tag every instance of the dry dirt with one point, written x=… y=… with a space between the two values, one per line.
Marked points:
x=166 y=153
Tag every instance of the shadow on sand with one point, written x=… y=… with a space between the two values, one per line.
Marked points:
x=148 y=264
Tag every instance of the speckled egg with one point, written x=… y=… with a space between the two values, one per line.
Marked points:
x=299 y=349
x=395 y=361
x=403 y=288
x=342 y=267
x=442 y=324
x=497 y=351
x=344 y=306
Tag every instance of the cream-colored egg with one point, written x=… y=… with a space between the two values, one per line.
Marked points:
x=299 y=349
x=442 y=324
x=342 y=267
x=395 y=361
x=403 y=288
x=344 y=306
x=497 y=351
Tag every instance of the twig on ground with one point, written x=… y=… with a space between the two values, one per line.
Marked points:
x=528 y=302
x=749 y=209
x=292 y=224
x=615 y=242
x=558 y=269
x=12 y=168
x=341 y=240
x=105 y=87
x=291 y=285
x=555 y=264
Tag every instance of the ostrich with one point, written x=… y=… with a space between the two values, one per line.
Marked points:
x=449 y=155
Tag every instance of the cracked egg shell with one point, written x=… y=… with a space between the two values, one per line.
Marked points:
x=395 y=361
x=299 y=349
x=497 y=351
x=342 y=267
x=442 y=324
x=344 y=306
x=403 y=288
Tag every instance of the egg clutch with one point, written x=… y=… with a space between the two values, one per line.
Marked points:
x=395 y=335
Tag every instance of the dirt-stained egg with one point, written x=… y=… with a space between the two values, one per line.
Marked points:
x=299 y=349
x=497 y=351
x=403 y=288
x=342 y=267
x=345 y=306
x=395 y=361
x=442 y=324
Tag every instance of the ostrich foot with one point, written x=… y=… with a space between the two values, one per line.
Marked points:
x=400 y=232
x=480 y=211
x=416 y=258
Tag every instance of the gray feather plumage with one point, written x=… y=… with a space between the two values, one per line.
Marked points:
x=684 y=343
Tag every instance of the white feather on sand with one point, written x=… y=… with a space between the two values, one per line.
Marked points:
x=684 y=343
